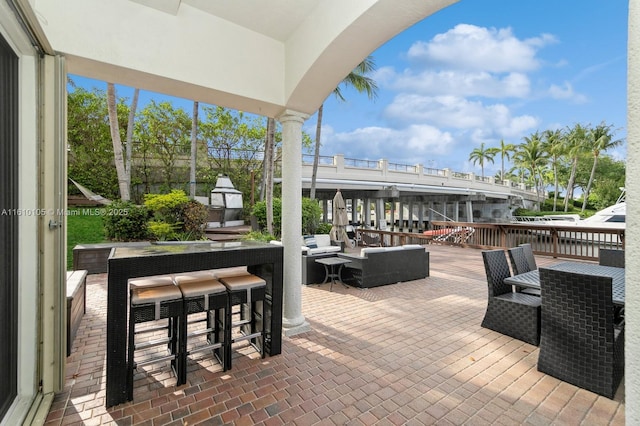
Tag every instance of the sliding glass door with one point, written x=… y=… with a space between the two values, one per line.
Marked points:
x=8 y=226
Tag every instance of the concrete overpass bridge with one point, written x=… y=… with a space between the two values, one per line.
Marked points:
x=413 y=195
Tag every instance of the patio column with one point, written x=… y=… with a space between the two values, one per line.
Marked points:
x=469 y=211
x=632 y=247
x=293 y=321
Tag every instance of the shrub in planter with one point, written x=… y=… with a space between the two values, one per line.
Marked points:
x=311 y=213
x=194 y=217
x=175 y=216
x=323 y=228
x=127 y=223
x=161 y=231
x=166 y=207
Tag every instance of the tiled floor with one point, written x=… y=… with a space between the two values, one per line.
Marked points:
x=409 y=353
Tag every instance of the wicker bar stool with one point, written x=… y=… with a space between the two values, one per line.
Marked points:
x=202 y=293
x=154 y=299
x=248 y=292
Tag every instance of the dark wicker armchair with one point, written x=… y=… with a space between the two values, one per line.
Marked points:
x=520 y=265
x=611 y=257
x=514 y=314
x=579 y=341
x=528 y=253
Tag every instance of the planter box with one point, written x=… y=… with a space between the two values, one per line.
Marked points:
x=93 y=257
x=76 y=304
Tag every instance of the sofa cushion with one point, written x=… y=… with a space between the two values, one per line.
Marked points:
x=324 y=249
x=310 y=241
x=364 y=251
x=412 y=246
x=323 y=240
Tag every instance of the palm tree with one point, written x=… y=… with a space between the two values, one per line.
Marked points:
x=358 y=80
x=194 y=151
x=129 y=141
x=267 y=171
x=117 y=142
x=480 y=155
x=574 y=147
x=532 y=156
x=599 y=139
x=552 y=143
x=505 y=151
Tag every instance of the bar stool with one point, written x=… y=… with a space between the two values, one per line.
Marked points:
x=202 y=293
x=154 y=299
x=248 y=292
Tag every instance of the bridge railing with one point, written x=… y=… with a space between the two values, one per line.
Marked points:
x=339 y=167
x=573 y=242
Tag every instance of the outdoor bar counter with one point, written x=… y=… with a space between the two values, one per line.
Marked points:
x=264 y=260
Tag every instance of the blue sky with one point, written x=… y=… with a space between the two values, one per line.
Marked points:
x=482 y=71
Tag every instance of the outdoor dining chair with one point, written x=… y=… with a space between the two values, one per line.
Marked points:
x=611 y=257
x=528 y=253
x=514 y=314
x=580 y=343
x=520 y=265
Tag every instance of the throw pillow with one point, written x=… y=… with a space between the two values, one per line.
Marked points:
x=310 y=241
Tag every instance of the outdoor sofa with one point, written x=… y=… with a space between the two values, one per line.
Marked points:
x=376 y=266
x=315 y=247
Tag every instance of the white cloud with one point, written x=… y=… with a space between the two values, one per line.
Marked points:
x=460 y=113
x=566 y=92
x=462 y=83
x=411 y=145
x=458 y=91
x=469 y=47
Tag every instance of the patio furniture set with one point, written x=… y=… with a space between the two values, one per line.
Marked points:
x=235 y=286
x=572 y=310
x=324 y=260
x=376 y=266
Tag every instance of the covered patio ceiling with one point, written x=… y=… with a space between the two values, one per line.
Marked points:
x=251 y=55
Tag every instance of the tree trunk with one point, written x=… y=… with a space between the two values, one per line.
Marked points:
x=316 y=154
x=555 y=189
x=265 y=159
x=117 y=142
x=132 y=116
x=269 y=164
x=570 y=184
x=593 y=173
x=194 y=151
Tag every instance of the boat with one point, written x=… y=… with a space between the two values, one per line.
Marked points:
x=613 y=217
x=608 y=226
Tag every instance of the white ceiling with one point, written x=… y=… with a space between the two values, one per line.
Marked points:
x=260 y=56
x=276 y=19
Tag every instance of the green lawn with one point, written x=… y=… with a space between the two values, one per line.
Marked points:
x=84 y=226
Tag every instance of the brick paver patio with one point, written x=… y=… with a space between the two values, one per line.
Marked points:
x=410 y=353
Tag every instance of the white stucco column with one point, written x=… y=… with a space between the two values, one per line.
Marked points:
x=632 y=240
x=293 y=321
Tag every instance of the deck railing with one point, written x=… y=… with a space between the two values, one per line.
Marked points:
x=574 y=242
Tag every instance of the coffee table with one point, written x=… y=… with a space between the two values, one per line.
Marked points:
x=330 y=264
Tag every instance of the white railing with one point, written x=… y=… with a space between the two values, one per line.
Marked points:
x=339 y=167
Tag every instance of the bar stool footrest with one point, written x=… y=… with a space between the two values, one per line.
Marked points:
x=152 y=343
x=154 y=360
x=205 y=348
x=246 y=337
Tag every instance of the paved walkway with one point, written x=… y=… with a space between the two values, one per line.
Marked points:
x=410 y=353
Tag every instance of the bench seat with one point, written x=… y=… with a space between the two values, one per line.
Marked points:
x=76 y=303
